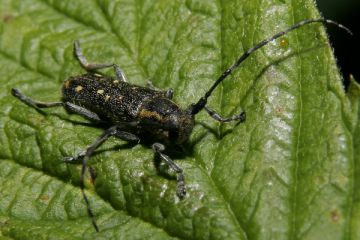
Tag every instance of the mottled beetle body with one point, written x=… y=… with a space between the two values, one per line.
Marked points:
x=115 y=101
x=132 y=112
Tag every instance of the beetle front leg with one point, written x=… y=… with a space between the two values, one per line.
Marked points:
x=239 y=117
x=181 y=189
x=169 y=93
x=90 y=67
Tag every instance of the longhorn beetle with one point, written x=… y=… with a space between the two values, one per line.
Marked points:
x=132 y=111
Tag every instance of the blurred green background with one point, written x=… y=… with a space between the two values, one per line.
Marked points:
x=346 y=47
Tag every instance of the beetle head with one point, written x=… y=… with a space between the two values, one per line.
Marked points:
x=167 y=120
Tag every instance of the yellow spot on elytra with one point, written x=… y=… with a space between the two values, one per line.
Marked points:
x=78 y=89
x=115 y=81
x=100 y=91
x=107 y=97
x=120 y=97
x=149 y=114
x=66 y=84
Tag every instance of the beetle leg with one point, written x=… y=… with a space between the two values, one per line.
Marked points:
x=149 y=84
x=126 y=136
x=112 y=131
x=239 y=117
x=33 y=103
x=90 y=67
x=83 y=112
x=89 y=151
x=181 y=189
x=168 y=92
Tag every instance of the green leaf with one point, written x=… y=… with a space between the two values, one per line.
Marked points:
x=291 y=171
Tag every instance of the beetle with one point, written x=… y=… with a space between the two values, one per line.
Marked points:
x=132 y=112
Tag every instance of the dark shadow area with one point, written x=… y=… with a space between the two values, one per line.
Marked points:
x=346 y=48
x=217 y=134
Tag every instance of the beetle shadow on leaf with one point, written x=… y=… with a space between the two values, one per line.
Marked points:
x=80 y=123
x=219 y=135
x=116 y=148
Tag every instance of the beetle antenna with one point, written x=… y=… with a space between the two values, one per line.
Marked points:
x=197 y=107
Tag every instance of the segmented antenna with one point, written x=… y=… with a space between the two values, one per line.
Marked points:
x=195 y=108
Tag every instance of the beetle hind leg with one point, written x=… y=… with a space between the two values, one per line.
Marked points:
x=33 y=103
